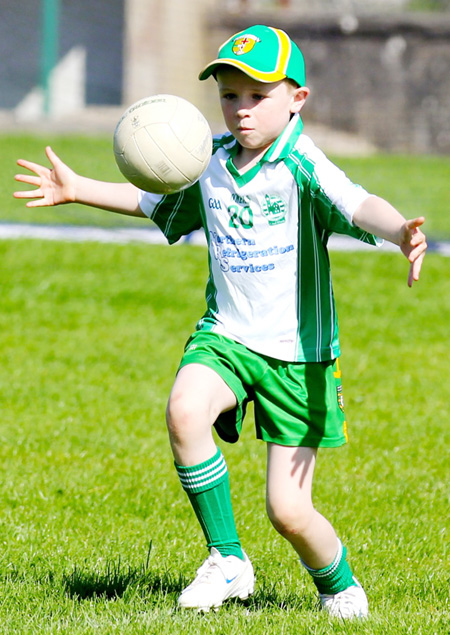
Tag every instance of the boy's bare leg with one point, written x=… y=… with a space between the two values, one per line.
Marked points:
x=197 y=398
x=289 y=504
x=289 y=482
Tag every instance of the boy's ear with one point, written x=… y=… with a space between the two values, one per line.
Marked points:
x=298 y=98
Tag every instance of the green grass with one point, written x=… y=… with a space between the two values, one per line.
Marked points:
x=417 y=185
x=428 y=5
x=97 y=536
x=89 y=155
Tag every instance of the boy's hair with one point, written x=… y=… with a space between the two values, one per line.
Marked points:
x=262 y=52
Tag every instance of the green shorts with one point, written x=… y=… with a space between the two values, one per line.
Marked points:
x=296 y=404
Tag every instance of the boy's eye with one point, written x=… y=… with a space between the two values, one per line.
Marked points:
x=258 y=97
x=228 y=96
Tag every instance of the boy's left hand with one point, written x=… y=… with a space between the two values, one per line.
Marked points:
x=413 y=244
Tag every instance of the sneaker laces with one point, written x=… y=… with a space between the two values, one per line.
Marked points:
x=208 y=569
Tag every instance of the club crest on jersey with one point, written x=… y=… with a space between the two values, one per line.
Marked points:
x=274 y=209
x=244 y=44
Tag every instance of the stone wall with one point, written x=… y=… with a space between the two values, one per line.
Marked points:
x=384 y=78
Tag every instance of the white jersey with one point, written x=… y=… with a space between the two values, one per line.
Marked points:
x=269 y=286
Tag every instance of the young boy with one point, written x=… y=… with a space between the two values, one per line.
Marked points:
x=268 y=203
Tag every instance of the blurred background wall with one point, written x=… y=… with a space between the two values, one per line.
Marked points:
x=88 y=33
x=382 y=74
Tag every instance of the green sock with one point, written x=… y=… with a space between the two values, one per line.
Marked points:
x=208 y=488
x=336 y=577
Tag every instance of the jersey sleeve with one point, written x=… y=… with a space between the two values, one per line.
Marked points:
x=176 y=215
x=334 y=197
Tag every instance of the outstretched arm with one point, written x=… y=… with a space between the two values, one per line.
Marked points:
x=59 y=185
x=377 y=216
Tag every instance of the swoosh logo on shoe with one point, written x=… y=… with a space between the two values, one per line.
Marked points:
x=229 y=580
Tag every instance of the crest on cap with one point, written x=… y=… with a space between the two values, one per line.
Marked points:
x=244 y=44
x=262 y=52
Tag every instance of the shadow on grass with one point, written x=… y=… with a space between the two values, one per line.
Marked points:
x=116 y=579
x=270 y=596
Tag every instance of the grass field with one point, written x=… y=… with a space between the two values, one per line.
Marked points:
x=97 y=535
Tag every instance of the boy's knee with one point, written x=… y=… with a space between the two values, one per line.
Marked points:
x=186 y=415
x=289 y=519
x=181 y=410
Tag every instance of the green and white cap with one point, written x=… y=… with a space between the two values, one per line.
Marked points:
x=262 y=52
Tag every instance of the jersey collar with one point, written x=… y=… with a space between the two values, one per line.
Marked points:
x=283 y=145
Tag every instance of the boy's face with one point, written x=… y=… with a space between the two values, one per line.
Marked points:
x=255 y=112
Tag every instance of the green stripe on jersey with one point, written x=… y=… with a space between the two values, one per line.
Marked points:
x=173 y=224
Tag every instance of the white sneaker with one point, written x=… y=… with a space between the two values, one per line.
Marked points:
x=217 y=580
x=351 y=602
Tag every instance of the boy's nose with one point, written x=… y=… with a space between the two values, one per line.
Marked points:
x=242 y=108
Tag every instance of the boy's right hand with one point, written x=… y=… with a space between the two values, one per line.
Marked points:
x=54 y=186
